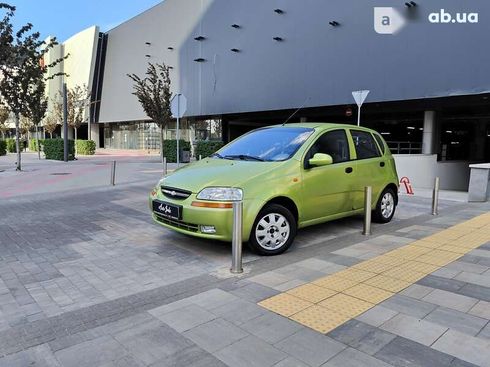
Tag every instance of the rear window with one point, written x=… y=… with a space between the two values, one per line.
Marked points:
x=365 y=145
x=380 y=141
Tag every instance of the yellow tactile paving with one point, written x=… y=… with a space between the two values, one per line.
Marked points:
x=388 y=283
x=355 y=275
x=284 y=304
x=368 y=293
x=320 y=319
x=328 y=302
x=346 y=305
x=311 y=292
x=373 y=266
x=335 y=283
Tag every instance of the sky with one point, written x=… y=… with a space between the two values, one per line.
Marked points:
x=64 y=18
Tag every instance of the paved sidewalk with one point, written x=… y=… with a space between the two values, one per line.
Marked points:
x=86 y=279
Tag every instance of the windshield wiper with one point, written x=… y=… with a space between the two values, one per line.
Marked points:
x=244 y=157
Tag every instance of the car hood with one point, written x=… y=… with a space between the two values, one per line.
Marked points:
x=217 y=172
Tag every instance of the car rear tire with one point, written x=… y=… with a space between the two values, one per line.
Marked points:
x=386 y=206
x=273 y=231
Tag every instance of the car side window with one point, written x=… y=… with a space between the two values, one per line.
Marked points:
x=365 y=145
x=380 y=142
x=333 y=143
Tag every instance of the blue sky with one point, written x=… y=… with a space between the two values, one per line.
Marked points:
x=64 y=18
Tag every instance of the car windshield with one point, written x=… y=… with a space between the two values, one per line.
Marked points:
x=269 y=144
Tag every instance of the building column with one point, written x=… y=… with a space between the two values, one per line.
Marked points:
x=94 y=134
x=428 y=139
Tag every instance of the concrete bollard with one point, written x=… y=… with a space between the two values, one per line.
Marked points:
x=236 y=246
x=368 y=192
x=435 y=197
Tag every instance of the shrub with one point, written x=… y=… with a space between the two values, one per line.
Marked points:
x=170 y=149
x=54 y=149
x=206 y=148
x=11 y=145
x=85 y=147
x=3 y=147
x=33 y=144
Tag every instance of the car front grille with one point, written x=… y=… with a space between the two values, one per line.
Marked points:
x=177 y=223
x=176 y=194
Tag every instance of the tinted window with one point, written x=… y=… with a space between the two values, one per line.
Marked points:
x=365 y=145
x=268 y=144
x=380 y=142
x=334 y=143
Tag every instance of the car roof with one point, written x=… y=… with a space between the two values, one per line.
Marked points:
x=322 y=125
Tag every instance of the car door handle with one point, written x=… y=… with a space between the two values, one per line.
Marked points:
x=348 y=170
x=382 y=164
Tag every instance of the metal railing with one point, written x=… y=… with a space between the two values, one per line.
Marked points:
x=405 y=147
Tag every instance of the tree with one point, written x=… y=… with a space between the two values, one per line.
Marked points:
x=37 y=105
x=50 y=123
x=4 y=116
x=153 y=93
x=21 y=67
x=78 y=99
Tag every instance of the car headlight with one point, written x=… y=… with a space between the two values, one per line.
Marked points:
x=220 y=194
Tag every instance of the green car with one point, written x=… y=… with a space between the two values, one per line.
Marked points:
x=288 y=176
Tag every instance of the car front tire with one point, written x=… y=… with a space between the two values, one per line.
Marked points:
x=273 y=231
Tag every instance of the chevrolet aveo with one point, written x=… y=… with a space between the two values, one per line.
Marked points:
x=288 y=177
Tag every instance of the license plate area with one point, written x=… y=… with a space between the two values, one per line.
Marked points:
x=167 y=210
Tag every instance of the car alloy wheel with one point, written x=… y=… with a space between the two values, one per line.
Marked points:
x=387 y=205
x=272 y=231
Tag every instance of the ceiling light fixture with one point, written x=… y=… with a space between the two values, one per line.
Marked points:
x=200 y=38
x=334 y=23
x=278 y=39
x=279 y=11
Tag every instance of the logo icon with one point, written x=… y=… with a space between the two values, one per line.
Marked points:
x=387 y=20
x=165 y=209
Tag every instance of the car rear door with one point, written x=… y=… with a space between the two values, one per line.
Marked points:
x=328 y=190
x=370 y=166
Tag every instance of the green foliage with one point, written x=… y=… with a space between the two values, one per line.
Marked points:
x=206 y=148
x=11 y=145
x=54 y=149
x=85 y=147
x=33 y=145
x=170 y=149
x=3 y=147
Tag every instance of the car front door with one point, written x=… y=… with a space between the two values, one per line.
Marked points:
x=327 y=190
x=370 y=166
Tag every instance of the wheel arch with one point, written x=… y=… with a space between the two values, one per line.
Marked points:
x=395 y=190
x=286 y=202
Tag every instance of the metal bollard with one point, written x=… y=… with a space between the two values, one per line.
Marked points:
x=368 y=192
x=435 y=197
x=164 y=166
x=113 y=173
x=236 y=246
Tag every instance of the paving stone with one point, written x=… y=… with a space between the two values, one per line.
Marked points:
x=446 y=273
x=186 y=318
x=215 y=335
x=479 y=279
x=485 y=332
x=466 y=267
x=189 y=357
x=475 y=291
x=152 y=343
x=377 y=315
x=353 y=358
x=254 y=292
x=456 y=320
x=402 y=352
x=465 y=347
x=416 y=291
x=408 y=306
x=124 y=361
x=250 y=351
x=361 y=336
x=451 y=300
x=310 y=347
x=481 y=309
x=239 y=311
x=91 y=353
x=320 y=265
x=409 y=327
x=290 y=362
x=433 y=281
x=270 y=279
x=271 y=327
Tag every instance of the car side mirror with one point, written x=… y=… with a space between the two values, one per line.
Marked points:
x=320 y=159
